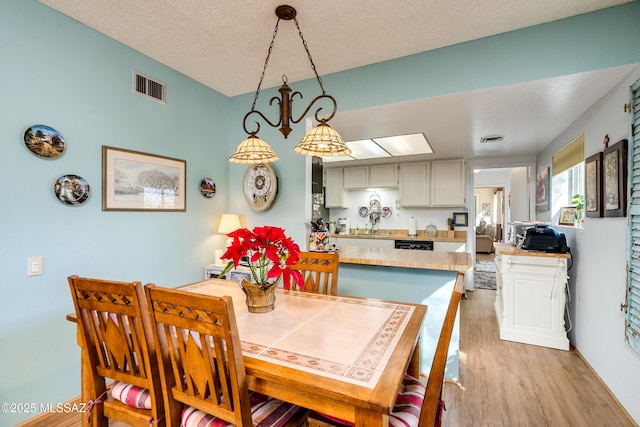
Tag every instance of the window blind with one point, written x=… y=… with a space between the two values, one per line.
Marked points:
x=568 y=156
x=632 y=327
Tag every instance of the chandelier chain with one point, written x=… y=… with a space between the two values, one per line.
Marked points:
x=313 y=65
x=266 y=63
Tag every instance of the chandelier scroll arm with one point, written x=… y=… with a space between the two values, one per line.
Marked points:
x=317 y=98
x=246 y=116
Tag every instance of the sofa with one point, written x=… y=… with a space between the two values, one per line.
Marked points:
x=484 y=241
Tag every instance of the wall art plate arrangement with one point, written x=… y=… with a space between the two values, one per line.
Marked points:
x=207 y=188
x=44 y=141
x=71 y=190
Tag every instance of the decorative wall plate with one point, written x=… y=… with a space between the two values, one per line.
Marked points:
x=363 y=211
x=374 y=203
x=208 y=187
x=386 y=212
x=71 y=189
x=44 y=141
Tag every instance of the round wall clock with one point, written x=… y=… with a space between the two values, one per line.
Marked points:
x=260 y=186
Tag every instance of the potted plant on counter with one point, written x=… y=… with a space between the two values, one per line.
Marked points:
x=270 y=255
x=578 y=201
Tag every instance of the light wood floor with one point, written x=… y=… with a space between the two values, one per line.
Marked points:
x=504 y=383
x=507 y=384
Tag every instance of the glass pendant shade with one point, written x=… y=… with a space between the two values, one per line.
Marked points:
x=322 y=141
x=253 y=150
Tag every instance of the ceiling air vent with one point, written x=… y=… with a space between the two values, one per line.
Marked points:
x=490 y=139
x=149 y=88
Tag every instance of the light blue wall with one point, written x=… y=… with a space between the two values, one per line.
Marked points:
x=57 y=72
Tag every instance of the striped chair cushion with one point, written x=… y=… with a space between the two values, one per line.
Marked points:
x=406 y=410
x=265 y=411
x=131 y=395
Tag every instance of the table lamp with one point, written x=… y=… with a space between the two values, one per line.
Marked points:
x=229 y=223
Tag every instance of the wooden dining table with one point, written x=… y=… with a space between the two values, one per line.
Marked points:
x=342 y=356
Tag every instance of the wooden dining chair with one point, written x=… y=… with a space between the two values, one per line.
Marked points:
x=117 y=343
x=201 y=364
x=319 y=272
x=417 y=405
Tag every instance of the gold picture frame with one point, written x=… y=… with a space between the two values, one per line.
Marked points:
x=568 y=216
x=136 y=181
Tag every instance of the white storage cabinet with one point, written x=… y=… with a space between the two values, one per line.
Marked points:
x=530 y=299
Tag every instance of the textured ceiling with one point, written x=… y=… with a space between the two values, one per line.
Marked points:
x=223 y=44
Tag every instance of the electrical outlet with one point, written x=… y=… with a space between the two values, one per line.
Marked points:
x=34 y=266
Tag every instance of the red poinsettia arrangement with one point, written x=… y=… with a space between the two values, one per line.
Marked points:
x=271 y=254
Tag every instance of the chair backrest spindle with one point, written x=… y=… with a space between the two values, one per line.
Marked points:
x=319 y=271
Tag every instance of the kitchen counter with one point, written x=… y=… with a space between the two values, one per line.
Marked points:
x=441 y=236
x=513 y=250
x=432 y=260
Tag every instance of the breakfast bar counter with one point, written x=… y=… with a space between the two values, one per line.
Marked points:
x=406 y=258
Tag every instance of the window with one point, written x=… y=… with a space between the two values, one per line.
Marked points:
x=567 y=168
x=632 y=326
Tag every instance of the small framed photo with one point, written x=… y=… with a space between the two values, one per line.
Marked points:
x=135 y=181
x=593 y=185
x=567 y=216
x=614 y=167
x=461 y=219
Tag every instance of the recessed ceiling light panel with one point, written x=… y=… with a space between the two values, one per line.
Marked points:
x=366 y=149
x=405 y=145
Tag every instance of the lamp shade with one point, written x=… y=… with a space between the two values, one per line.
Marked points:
x=253 y=150
x=229 y=223
x=322 y=141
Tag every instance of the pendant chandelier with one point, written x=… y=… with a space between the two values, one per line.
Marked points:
x=321 y=141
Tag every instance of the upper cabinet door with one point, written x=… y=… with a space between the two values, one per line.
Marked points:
x=356 y=177
x=414 y=184
x=334 y=193
x=448 y=184
x=383 y=176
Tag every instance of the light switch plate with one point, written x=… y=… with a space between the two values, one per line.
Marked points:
x=34 y=266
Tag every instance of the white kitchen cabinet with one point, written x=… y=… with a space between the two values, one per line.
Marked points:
x=356 y=178
x=414 y=184
x=530 y=299
x=447 y=183
x=383 y=176
x=449 y=246
x=333 y=192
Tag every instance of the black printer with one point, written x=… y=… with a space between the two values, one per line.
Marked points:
x=544 y=238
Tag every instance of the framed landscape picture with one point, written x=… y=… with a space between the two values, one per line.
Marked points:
x=135 y=181
x=614 y=166
x=593 y=186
